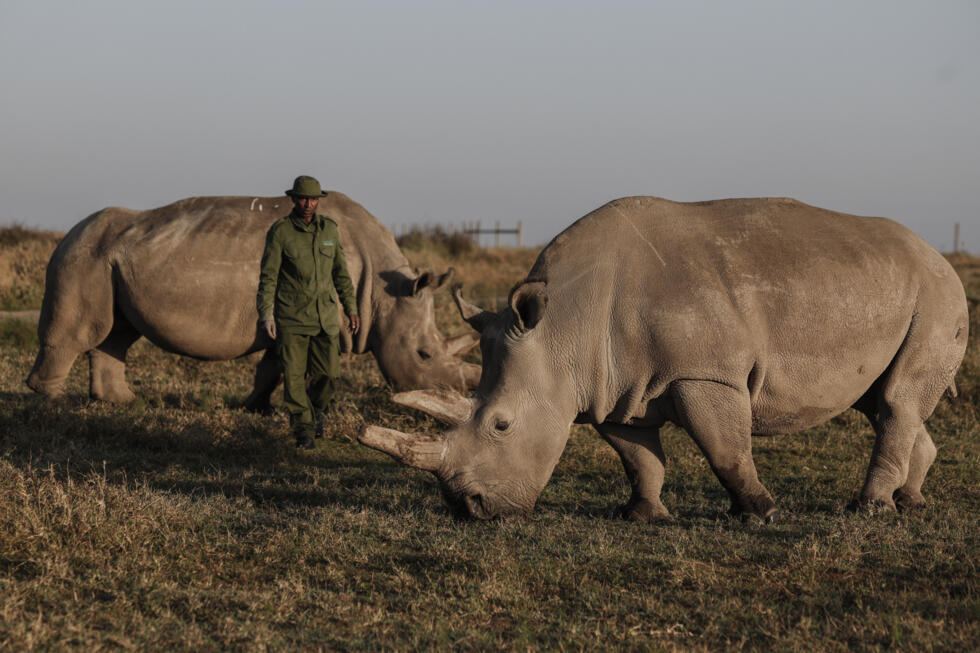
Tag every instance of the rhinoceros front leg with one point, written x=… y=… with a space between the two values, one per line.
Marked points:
x=268 y=374
x=51 y=369
x=107 y=365
x=643 y=459
x=718 y=418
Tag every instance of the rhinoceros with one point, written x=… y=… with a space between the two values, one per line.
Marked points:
x=185 y=276
x=727 y=318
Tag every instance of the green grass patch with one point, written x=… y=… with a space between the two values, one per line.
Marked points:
x=18 y=334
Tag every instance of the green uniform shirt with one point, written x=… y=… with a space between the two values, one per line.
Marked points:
x=302 y=265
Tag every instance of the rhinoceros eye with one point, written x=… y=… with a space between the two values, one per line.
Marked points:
x=501 y=425
x=423 y=354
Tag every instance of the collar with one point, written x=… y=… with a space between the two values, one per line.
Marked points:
x=314 y=224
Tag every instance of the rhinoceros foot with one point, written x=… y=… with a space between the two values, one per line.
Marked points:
x=642 y=510
x=760 y=506
x=872 y=506
x=52 y=390
x=259 y=407
x=908 y=500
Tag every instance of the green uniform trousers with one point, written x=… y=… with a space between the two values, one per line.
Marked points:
x=317 y=356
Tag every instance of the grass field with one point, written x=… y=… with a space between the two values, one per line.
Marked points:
x=181 y=522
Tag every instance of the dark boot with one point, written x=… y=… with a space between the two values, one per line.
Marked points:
x=304 y=441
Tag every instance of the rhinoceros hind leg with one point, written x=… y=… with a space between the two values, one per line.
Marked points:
x=923 y=454
x=903 y=450
x=719 y=419
x=905 y=395
x=268 y=374
x=643 y=459
x=890 y=460
x=107 y=365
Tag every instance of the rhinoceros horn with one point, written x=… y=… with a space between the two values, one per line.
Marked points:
x=447 y=406
x=475 y=316
x=422 y=451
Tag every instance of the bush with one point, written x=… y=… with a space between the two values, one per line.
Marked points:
x=24 y=255
x=16 y=234
x=450 y=245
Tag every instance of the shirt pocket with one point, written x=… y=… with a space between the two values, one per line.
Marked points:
x=291 y=251
x=328 y=248
x=298 y=261
x=287 y=298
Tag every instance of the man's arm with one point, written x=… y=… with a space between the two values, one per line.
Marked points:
x=268 y=279
x=345 y=287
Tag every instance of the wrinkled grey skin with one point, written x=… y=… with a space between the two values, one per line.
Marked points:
x=727 y=318
x=185 y=277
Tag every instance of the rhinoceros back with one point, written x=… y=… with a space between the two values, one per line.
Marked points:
x=806 y=306
x=185 y=275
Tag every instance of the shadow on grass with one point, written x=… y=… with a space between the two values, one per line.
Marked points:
x=179 y=445
x=200 y=454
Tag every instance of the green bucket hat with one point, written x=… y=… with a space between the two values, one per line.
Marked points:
x=306 y=186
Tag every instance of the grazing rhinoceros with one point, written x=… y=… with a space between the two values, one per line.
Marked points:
x=727 y=318
x=185 y=276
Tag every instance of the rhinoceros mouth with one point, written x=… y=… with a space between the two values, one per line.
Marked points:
x=465 y=504
x=479 y=503
x=476 y=507
x=473 y=506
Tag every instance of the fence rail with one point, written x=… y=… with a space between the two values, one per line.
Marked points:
x=472 y=229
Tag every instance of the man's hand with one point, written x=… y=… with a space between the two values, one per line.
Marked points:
x=355 y=323
x=270 y=327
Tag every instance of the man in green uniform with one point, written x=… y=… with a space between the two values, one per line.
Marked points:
x=303 y=271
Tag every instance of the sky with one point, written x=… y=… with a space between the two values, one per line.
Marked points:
x=539 y=112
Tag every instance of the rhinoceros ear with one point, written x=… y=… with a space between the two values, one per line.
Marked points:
x=475 y=316
x=459 y=344
x=431 y=280
x=528 y=300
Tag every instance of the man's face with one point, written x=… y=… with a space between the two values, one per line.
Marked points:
x=306 y=207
